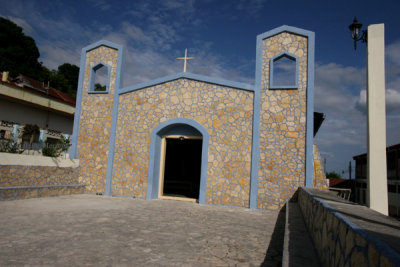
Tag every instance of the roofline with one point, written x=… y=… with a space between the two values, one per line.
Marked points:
x=387 y=148
x=37 y=105
x=285 y=28
x=101 y=43
x=37 y=91
x=190 y=76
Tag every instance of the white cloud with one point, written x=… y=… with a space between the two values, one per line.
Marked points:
x=392 y=101
x=27 y=29
x=101 y=4
x=341 y=95
x=392 y=52
x=250 y=7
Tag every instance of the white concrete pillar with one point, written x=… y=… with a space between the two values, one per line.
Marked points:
x=42 y=138
x=15 y=133
x=377 y=174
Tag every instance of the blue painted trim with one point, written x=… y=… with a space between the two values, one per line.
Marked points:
x=114 y=120
x=271 y=71
x=257 y=108
x=284 y=28
x=102 y=43
x=190 y=76
x=73 y=153
x=255 y=146
x=154 y=159
x=381 y=246
x=310 y=113
x=92 y=78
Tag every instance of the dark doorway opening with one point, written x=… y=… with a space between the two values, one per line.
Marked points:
x=182 y=167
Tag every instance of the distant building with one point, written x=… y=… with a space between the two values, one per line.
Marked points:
x=344 y=187
x=393 y=178
x=24 y=100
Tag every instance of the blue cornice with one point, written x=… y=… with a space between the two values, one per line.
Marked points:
x=101 y=43
x=190 y=76
x=284 y=28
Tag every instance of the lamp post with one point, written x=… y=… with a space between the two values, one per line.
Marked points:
x=355 y=29
x=377 y=197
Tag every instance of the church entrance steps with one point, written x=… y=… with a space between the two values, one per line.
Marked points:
x=21 y=192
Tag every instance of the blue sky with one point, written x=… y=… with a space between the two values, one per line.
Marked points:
x=221 y=35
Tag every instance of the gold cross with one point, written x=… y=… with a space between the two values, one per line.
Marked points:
x=185 y=59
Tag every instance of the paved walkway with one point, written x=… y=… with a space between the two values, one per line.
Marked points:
x=94 y=230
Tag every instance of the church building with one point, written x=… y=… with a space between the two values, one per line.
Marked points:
x=198 y=138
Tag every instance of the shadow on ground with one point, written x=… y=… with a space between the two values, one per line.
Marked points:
x=273 y=255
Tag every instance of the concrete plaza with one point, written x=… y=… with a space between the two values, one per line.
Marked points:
x=88 y=230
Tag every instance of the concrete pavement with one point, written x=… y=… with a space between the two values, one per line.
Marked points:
x=89 y=230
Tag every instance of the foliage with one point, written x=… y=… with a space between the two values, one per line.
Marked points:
x=19 y=55
x=30 y=131
x=64 y=144
x=18 y=52
x=9 y=146
x=65 y=78
x=56 y=150
x=333 y=175
x=98 y=87
x=50 y=151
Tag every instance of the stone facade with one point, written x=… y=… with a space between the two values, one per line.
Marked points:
x=283 y=125
x=23 y=181
x=12 y=193
x=120 y=159
x=95 y=122
x=338 y=241
x=17 y=175
x=320 y=181
x=225 y=112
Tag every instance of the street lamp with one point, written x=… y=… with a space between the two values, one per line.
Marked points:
x=355 y=28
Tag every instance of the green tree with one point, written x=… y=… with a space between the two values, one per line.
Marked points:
x=19 y=55
x=333 y=175
x=99 y=87
x=67 y=75
x=18 y=52
x=29 y=132
x=65 y=78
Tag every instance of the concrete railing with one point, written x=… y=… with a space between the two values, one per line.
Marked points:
x=338 y=241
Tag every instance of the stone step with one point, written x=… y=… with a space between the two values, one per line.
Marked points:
x=298 y=248
x=21 y=192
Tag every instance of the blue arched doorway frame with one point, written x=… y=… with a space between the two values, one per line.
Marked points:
x=181 y=126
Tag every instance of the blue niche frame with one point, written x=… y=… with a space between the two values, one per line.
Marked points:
x=92 y=78
x=272 y=85
x=309 y=172
x=73 y=151
x=180 y=124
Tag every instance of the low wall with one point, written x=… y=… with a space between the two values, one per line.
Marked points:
x=25 y=176
x=338 y=241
